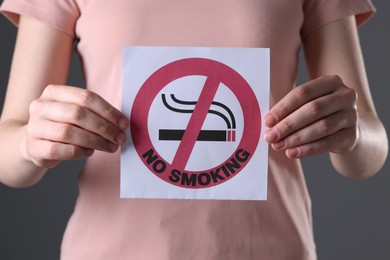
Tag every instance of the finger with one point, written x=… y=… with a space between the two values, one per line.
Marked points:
x=70 y=134
x=87 y=99
x=341 y=142
x=47 y=154
x=300 y=96
x=313 y=111
x=79 y=116
x=317 y=130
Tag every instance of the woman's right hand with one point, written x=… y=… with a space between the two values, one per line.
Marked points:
x=70 y=123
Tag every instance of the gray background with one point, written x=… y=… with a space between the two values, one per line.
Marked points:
x=351 y=218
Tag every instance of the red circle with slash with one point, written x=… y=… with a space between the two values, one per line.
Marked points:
x=215 y=73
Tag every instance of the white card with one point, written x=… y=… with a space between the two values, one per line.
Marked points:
x=195 y=123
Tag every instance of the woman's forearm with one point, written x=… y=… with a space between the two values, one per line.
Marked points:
x=41 y=57
x=369 y=154
x=15 y=169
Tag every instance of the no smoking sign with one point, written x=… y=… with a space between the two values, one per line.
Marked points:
x=195 y=123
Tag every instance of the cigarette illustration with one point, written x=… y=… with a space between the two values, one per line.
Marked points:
x=225 y=135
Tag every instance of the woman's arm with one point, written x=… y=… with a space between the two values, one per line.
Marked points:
x=41 y=56
x=44 y=122
x=335 y=113
x=337 y=49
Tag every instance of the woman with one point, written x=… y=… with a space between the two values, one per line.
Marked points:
x=45 y=122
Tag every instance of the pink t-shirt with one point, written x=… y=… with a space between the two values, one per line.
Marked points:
x=106 y=227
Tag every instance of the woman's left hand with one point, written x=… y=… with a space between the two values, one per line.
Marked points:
x=316 y=117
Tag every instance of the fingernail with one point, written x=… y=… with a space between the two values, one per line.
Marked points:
x=293 y=153
x=120 y=138
x=123 y=123
x=112 y=147
x=271 y=136
x=279 y=145
x=270 y=120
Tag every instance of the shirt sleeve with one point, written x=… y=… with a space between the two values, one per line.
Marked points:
x=320 y=12
x=61 y=14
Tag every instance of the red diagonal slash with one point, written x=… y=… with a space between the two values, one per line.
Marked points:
x=196 y=122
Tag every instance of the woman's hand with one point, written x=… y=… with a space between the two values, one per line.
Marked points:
x=69 y=123
x=316 y=117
